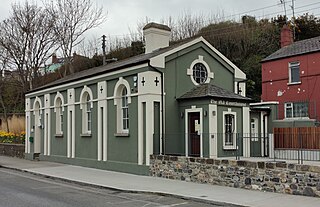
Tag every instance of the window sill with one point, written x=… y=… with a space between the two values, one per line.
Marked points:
x=294 y=83
x=229 y=147
x=297 y=118
x=86 y=135
x=121 y=135
x=58 y=135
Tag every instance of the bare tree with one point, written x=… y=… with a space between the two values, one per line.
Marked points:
x=27 y=38
x=72 y=19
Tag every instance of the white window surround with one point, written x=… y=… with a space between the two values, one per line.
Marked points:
x=290 y=66
x=36 y=109
x=118 y=98
x=59 y=109
x=190 y=70
x=233 y=146
x=86 y=104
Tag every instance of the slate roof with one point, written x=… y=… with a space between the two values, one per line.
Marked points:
x=213 y=91
x=296 y=48
x=136 y=60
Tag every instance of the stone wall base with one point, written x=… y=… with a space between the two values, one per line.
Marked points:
x=12 y=150
x=277 y=177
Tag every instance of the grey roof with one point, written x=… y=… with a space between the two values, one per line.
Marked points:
x=296 y=48
x=213 y=91
x=136 y=60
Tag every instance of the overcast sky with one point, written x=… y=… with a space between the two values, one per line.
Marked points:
x=124 y=14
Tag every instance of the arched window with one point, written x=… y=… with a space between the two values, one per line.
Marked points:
x=125 y=109
x=59 y=116
x=86 y=105
x=122 y=99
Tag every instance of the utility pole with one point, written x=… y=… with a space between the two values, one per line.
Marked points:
x=285 y=11
x=104 y=48
x=294 y=20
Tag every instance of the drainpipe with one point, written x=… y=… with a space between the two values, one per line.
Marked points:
x=162 y=107
x=238 y=85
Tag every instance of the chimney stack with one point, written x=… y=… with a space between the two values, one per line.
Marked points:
x=156 y=36
x=54 y=58
x=286 y=36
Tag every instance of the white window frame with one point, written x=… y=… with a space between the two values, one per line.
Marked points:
x=293 y=64
x=210 y=74
x=86 y=105
x=118 y=101
x=288 y=105
x=233 y=146
x=58 y=109
x=124 y=110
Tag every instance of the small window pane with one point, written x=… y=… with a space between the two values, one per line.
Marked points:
x=295 y=72
x=200 y=73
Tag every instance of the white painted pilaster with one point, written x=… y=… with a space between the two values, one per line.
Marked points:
x=102 y=121
x=28 y=126
x=246 y=131
x=47 y=125
x=140 y=131
x=213 y=130
x=71 y=124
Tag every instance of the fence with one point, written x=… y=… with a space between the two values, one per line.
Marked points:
x=299 y=143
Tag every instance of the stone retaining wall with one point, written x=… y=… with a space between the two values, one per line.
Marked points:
x=12 y=150
x=277 y=177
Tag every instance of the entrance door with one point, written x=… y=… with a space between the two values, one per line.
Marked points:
x=194 y=134
x=255 y=144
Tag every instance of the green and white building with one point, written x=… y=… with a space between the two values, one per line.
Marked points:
x=186 y=99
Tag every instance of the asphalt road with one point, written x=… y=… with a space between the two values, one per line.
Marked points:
x=27 y=190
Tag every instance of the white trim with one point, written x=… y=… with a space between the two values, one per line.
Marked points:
x=47 y=126
x=234 y=146
x=265 y=103
x=187 y=111
x=117 y=93
x=210 y=75
x=86 y=91
x=55 y=88
x=290 y=64
x=102 y=129
x=246 y=121
x=213 y=130
x=37 y=112
x=28 y=126
x=71 y=145
x=59 y=129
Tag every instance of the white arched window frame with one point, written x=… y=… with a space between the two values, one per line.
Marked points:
x=59 y=109
x=86 y=105
x=37 y=111
x=122 y=99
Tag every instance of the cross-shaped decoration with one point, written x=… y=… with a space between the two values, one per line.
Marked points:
x=70 y=95
x=101 y=89
x=156 y=81
x=143 y=81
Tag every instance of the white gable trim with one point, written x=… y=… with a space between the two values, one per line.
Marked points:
x=159 y=61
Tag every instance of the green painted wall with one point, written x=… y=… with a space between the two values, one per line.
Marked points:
x=178 y=83
x=221 y=151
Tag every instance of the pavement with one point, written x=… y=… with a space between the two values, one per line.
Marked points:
x=144 y=184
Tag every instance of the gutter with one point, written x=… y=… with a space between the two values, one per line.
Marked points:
x=162 y=108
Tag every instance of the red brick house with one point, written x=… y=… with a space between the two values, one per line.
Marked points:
x=291 y=76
